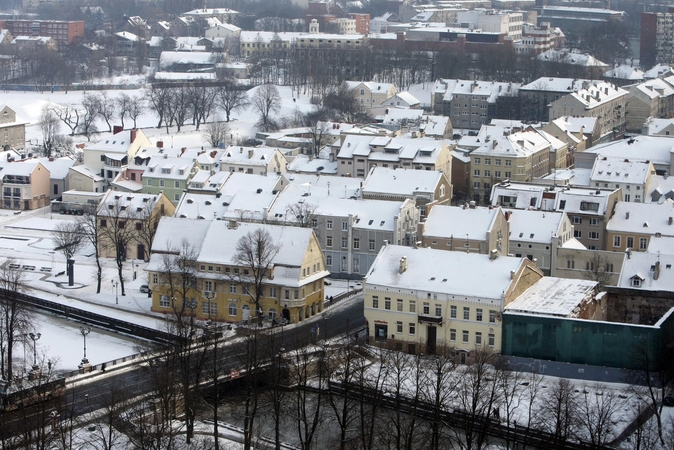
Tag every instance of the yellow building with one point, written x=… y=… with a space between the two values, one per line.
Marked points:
x=417 y=299
x=221 y=286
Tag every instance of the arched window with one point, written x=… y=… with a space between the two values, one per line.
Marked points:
x=272 y=313
x=232 y=309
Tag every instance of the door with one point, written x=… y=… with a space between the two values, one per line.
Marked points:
x=431 y=339
x=140 y=252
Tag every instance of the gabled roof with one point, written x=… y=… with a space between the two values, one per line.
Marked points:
x=382 y=180
x=653 y=270
x=132 y=205
x=616 y=170
x=552 y=296
x=534 y=226
x=460 y=222
x=642 y=218
x=455 y=273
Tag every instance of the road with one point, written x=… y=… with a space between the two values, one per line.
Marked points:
x=99 y=392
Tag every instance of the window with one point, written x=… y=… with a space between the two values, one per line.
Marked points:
x=452 y=311
x=209 y=308
x=508 y=174
x=438 y=310
x=643 y=243
x=104 y=223
x=466 y=313
x=576 y=220
x=149 y=181
x=164 y=301
x=465 y=337
x=492 y=316
x=427 y=309
x=508 y=163
x=208 y=286
x=594 y=235
x=356 y=243
x=476 y=185
x=616 y=241
x=371 y=245
x=272 y=292
x=328 y=260
x=452 y=334
x=476 y=160
x=487 y=161
x=478 y=314
x=636 y=282
x=345 y=226
x=345 y=242
x=399 y=327
x=412 y=328
x=413 y=306
x=497 y=162
x=162 y=183
x=176 y=184
x=232 y=288
x=626 y=197
x=387 y=303
x=399 y=305
x=630 y=242
x=375 y=301
x=594 y=221
x=476 y=172
x=492 y=339
x=328 y=241
x=562 y=204
x=329 y=225
x=478 y=338
x=577 y=234
x=497 y=173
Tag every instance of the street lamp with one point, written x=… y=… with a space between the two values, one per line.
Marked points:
x=116 y=284
x=35 y=338
x=85 y=331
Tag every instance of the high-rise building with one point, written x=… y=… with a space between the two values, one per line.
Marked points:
x=657 y=38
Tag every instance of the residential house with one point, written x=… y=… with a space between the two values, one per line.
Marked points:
x=469 y=104
x=633 y=225
x=12 y=129
x=543 y=91
x=589 y=209
x=576 y=262
x=110 y=155
x=650 y=99
x=467 y=228
x=537 y=235
x=371 y=94
x=219 y=289
x=631 y=177
x=380 y=24
x=419 y=299
x=126 y=222
x=599 y=99
x=658 y=127
x=658 y=150
x=359 y=153
x=561 y=128
x=350 y=231
x=424 y=187
x=258 y=160
x=402 y=100
x=58 y=171
x=25 y=185
x=519 y=156
x=222 y=30
x=82 y=179
x=168 y=175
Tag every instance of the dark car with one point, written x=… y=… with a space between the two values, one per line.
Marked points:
x=668 y=400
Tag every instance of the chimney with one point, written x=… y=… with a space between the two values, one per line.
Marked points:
x=628 y=251
x=160 y=144
x=182 y=150
x=403 y=264
x=493 y=255
x=52 y=160
x=669 y=222
x=472 y=204
x=656 y=272
x=250 y=153
x=232 y=225
x=627 y=215
x=117 y=129
x=133 y=135
x=507 y=215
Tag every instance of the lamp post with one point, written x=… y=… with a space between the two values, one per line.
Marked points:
x=116 y=284
x=35 y=338
x=85 y=366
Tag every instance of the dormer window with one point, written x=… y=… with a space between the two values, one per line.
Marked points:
x=636 y=281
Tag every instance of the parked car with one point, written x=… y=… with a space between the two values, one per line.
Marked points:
x=144 y=288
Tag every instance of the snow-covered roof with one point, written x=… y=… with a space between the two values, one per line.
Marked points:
x=435 y=125
x=572 y=177
x=455 y=273
x=87 y=172
x=486 y=89
x=386 y=181
x=396 y=115
x=167 y=59
x=597 y=93
x=552 y=296
x=654 y=271
x=173 y=76
x=655 y=126
x=325 y=186
x=371 y=85
x=58 y=167
x=616 y=170
x=554 y=84
x=134 y=205
x=660 y=189
x=658 y=71
x=534 y=226
x=657 y=149
x=460 y=223
x=19 y=168
x=268 y=36
x=163 y=167
x=662 y=245
x=523 y=143
x=625 y=72
x=304 y=164
x=642 y=218
x=256 y=156
x=405 y=97
x=127 y=36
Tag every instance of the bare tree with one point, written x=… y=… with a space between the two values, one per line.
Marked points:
x=598 y=270
x=308 y=370
x=15 y=316
x=266 y=101
x=116 y=231
x=50 y=128
x=69 y=115
x=439 y=391
x=231 y=97
x=159 y=97
x=91 y=109
x=178 y=107
x=89 y=228
x=107 y=108
x=146 y=227
x=596 y=412
x=255 y=253
x=319 y=128
x=67 y=236
x=123 y=102
x=216 y=132
x=302 y=214
x=202 y=103
x=137 y=108
x=559 y=413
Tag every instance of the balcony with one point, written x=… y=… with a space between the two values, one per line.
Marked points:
x=430 y=319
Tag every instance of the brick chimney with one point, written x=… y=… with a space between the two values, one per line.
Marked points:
x=117 y=129
x=133 y=135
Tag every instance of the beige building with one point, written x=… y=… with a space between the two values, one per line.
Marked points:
x=519 y=156
x=633 y=225
x=371 y=94
x=417 y=300
x=25 y=185
x=469 y=229
x=294 y=286
x=358 y=154
x=12 y=130
x=599 y=99
x=257 y=160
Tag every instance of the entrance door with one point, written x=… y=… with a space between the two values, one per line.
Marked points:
x=430 y=341
x=140 y=252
